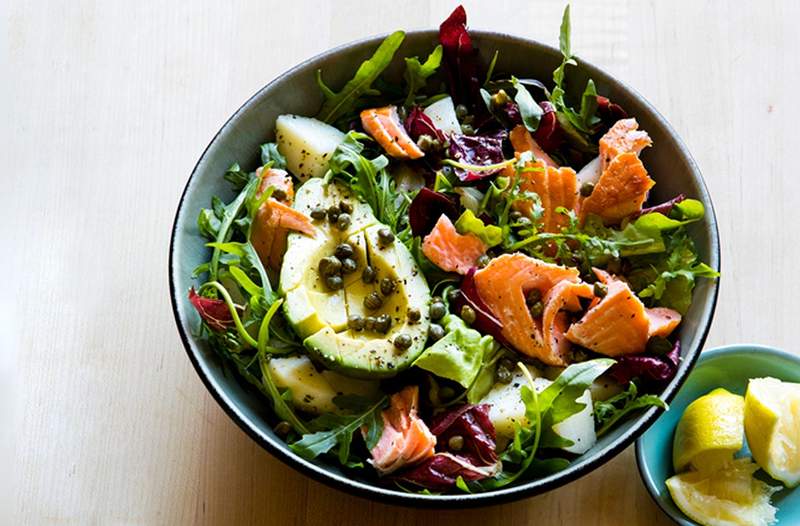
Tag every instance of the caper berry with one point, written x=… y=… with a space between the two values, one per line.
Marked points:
x=587 y=188
x=385 y=237
x=279 y=194
x=387 y=286
x=282 y=428
x=502 y=374
x=414 y=315
x=368 y=275
x=329 y=266
x=349 y=266
x=356 y=322
x=369 y=323
x=461 y=111
x=456 y=442
x=334 y=282
x=468 y=314
x=536 y=309
x=533 y=296
x=318 y=213
x=343 y=221
x=373 y=301
x=333 y=213
x=383 y=323
x=402 y=341
x=467 y=129
x=435 y=332
x=523 y=222
x=600 y=289
x=345 y=207
x=482 y=261
x=343 y=250
x=438 y=310
x=515 y=215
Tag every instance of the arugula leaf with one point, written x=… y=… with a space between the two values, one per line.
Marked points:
x=237 y=177
x=491 y=235
x=416 y=73
x=224 y=233
x=529 y=110
x=338 y=430
x=349 y=98
x=608 y=412
x=459 y=354
x=270 y=154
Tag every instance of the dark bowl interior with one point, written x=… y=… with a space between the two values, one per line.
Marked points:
x=296 y=92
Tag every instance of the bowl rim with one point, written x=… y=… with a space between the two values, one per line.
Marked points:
x=730 y=350
x=503 y=495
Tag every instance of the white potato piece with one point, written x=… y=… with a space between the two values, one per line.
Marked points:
x=590 y=173
x=313 y=391
x=579 y=428
x=443 y=114
x=307 y=144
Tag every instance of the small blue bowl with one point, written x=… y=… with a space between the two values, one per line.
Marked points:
x=729 y=367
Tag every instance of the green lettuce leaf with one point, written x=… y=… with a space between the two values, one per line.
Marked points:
x=468 y=223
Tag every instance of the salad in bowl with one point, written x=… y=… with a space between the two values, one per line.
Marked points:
x=452 y=283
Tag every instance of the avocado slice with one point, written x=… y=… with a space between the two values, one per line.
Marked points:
x=319 y=315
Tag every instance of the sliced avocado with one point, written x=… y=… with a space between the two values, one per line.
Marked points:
x=313 y=391
x=319 y=314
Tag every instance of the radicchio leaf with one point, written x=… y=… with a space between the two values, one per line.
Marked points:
x=479 y=150
x=548 y=135
x=653 y=370
x=485 y=322
x=214 y=312
x=460 y=58
x=664 y=208
x=426 y=209
x=441 y=471
x=609 y=112
x=418 y=124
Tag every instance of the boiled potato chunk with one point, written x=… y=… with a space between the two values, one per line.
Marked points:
x=443 y=114
x=307 y=144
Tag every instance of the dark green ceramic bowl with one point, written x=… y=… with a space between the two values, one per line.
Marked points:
x=296 y=92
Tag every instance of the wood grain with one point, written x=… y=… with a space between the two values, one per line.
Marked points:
x=109 y=104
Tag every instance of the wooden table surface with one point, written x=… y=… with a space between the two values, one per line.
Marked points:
x=109 y=105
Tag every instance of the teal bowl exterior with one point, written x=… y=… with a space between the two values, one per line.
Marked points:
x=296 y=91
x=729 y=367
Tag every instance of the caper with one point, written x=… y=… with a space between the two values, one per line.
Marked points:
x=279 y=194
x=461 y=111
x=282 y=428
x=414 y=315
x=482 y=261
x=383 y=323
x=456 y=442
x=435 y=332
x=356 y=322
x=385 y=237
x=368 y=275
x=452 y=295
x=333 y=213
x=600 y=289
x=502 y=374
x=343 y=250
x=345 y=207
x=372 y=301
x=329 y=266
x=536 y=309
x=507 y=363
x=427 y=143
x=467 y=129
x=343 y=221
x=523 y=222
x=533 y=296
x=387 y=286
x=468 y=314
x=318 y=213
x=438 y=310
x=515 y=215
x=349 y=265
x=369 y=323
x=500 y=99
x=402 y=341
x=334 y=282
x=587 y=188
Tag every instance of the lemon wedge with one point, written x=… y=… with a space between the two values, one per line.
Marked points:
x=710 y=432
x=772 y=426
x=729 y=496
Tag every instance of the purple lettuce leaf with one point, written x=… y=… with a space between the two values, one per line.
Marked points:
x=485 y=321
x=460 y=58
x=651 y=369
x=663 y=208
x=479 y=150
x=418 y=124
x=548 y=135
x=426 y=209
x=214 y=312
x=440 y=472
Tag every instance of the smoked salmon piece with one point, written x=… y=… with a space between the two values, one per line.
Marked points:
x=522 y=141
x=623 y=137
x=384 y=125
x=621 y=190
x=556 y=188
x=405 y=439
x=619 y=323
x=451 y=251
x=564 y=296
x=504 y=284
x=275 y=218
